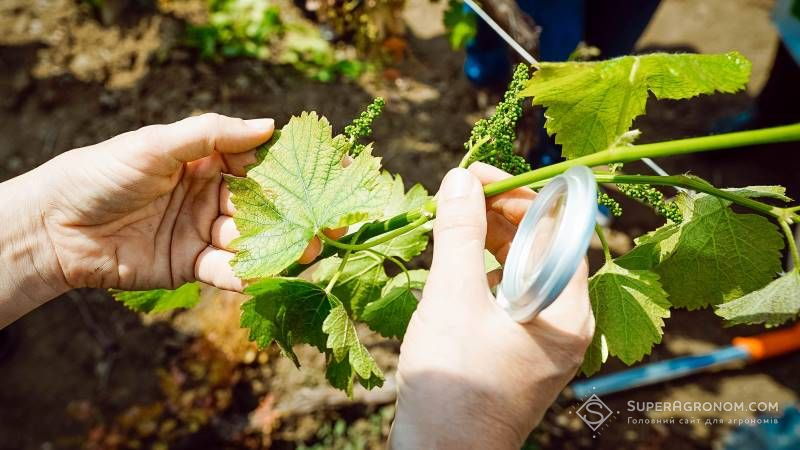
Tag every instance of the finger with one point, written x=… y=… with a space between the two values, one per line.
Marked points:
x=213 y=267
x=335 y=233
x=311 y=252
x=459 y=235
x=223 y=231
x=512 y=204
x=226 y=206
x=237 y=163
x=195 y=137
x=571 y=312
x=500 y=234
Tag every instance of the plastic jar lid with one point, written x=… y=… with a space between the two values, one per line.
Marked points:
x=550 y=243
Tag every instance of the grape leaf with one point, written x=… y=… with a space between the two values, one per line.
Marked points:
x=360 y=282
x=629 y=307
x=595 y=355
x=714 y=256
x=345 y=346
x=288 y=311
x=589 y=105
x=298 y=189
x=390 y=314
x=651 y=248
x=490 y=263
x=773 y=192
x=340 y=375
x=160 y=300
x=771 y=305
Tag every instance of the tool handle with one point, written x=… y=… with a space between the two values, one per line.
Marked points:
x=770 y=344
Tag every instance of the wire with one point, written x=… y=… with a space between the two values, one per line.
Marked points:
x=655 y=167
x=500 y=31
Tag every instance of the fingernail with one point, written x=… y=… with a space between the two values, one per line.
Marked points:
x=456 y=184
x=261 y=125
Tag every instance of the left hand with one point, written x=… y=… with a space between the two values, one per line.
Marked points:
x=148 y=209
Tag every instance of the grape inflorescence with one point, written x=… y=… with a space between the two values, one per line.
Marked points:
x=613 y=206
x=492 y=139
x=653 y=197
x=362 y=125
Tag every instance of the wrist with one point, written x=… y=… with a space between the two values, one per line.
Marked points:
x=33 y=273
x=447 y=414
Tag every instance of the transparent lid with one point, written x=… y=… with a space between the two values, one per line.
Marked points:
x=550 y=242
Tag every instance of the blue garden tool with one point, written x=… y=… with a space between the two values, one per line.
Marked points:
x=744 y=349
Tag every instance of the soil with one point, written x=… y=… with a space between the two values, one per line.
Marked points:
x=86 y=372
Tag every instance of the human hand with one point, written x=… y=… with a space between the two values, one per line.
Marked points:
x=149 y=208
x=469 y=376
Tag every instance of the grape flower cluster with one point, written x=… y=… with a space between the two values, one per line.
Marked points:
x=653 y=197
x=613 y=206
x=362 y=125
x=492 y=139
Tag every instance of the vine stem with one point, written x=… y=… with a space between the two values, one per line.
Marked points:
x=396 y=262
x=602 y=236
x=786 y=133
x=338 y=273
x=772 y=135
x=472 y=149
x=792 y=245
x=697 y=184
x=369 y=244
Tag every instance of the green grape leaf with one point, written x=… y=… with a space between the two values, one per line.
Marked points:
x=160 y=300
x=287 y=311
x=297 y=190
x=490 y=263
x=345 y=346
x=411 y=244
x=771 y=305
x=590 y=105
x=651 y=248
x=340 y=375
x=595 y=355
x=629 y=308
x=390 y=315
x=461 y=25
x=714 y=256
x=773 y=192
x=360 y=282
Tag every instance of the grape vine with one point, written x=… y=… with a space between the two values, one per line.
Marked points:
x=705 y=255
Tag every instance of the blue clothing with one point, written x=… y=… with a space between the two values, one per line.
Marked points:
x=488 y=61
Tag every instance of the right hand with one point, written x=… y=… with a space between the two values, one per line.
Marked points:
x=469 y=376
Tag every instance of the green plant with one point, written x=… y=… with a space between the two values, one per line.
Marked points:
x=460 y=24
x=706 y=254
x=360 y=435
x=265 y=30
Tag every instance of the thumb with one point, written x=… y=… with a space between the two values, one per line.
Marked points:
x=198 y=136
x=459 y=236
